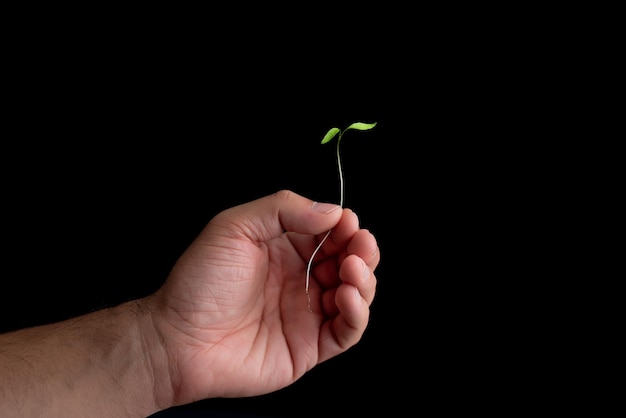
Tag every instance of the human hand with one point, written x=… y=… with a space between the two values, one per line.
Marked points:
x=233 y=315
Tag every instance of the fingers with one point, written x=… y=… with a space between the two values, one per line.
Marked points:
x=348 y=304
x=345 y=229
x=356 y=271
x=364 y=245
x=270 y=216
x=346 y=238
x=348 y=233
x=351 y=301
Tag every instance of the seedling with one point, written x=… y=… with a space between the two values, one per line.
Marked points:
x=332 y=133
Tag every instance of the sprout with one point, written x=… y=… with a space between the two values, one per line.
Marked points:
x=332 y=133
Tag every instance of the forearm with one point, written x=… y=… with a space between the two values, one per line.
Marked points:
x=104 y=364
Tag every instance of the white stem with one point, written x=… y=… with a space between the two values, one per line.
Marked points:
x=308 y=267
x=340 y=174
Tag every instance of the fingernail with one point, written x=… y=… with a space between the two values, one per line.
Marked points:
x=324 y=207
x=366 y=270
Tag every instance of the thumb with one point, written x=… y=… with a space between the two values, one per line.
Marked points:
x=270 y=216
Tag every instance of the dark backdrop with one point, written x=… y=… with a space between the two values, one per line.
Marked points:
x=112 y=167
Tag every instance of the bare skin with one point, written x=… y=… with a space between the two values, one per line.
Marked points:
x=231 y=320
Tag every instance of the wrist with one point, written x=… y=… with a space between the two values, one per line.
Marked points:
x=153 y=352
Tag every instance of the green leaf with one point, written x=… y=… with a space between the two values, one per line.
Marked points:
x=330 y=135
x=361 y=126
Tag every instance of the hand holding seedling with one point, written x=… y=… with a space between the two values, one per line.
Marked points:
x=332 y=133
x=228 y=322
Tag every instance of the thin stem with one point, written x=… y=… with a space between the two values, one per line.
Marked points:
x=340 y=173
x=308 y=267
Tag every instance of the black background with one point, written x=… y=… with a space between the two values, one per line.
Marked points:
x=115 y=158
